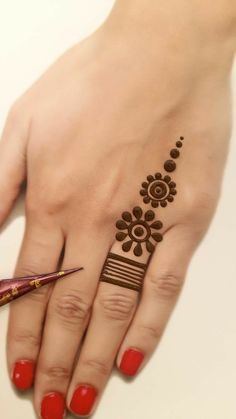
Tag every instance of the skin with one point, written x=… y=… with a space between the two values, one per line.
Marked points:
x=85 y=135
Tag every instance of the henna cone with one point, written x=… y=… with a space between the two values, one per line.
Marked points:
x=10 y=289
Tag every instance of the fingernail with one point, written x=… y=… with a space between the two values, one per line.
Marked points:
x=53 y=406
x=83 y=399
x=23 y=374
x=131 y=361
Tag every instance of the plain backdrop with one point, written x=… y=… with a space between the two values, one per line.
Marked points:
x=192 y=375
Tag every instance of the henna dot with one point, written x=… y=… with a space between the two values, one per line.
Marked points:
x=163 y=204
x=158 y=175
x=126 y=216
x=146 y=200
x=155 y=204
x=173 y=191
x=172 y=184
x=170 y=198
x=157 y=225
x=169 y=165
x=150 y=247
x=120 y=236
x=138 y=212
x=121 y=225
x=144 y=184
x=157 y=237
x=182 y=138
x=138 y=250
x=174 y=153
x=149 y=215
x=138 y=231
x=143 y=192
x=178 y=144
x=150 y=178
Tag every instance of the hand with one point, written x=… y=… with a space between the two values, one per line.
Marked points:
x=86 y=137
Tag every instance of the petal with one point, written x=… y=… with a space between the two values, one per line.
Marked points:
x=149 y=246
x=121 y=225
x=145 y=185
x=138 y=250
x=143 y=192
x=138 y=212
x=120 y=236
x=158 y=176
x=170 y=198
x=127 y=245
x=146 y=199
x=157 y=237
x=149 y=215
x=155 y=204
x=167 y=179
x=163 y=204
x=157 y=225
x=150 y=178
x=127 y=216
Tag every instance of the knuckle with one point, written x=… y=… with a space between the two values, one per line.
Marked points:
x=117 y=306
x=45 y=200
x=34 y=295
x=200 y=204
x=167 y=285
x=71 y=308
x=27 y=337
x=27 y=270
x=54 y=371
x=154 y=332
x=100 y=367
x=15 y=113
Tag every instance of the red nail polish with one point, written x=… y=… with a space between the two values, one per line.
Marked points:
x=23 y=374
x=131 y=361
x=53 y=406
x=83 y=399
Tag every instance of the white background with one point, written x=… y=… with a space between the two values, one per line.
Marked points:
x=192 y=374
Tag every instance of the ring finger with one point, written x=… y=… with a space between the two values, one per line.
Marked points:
x=113 y=308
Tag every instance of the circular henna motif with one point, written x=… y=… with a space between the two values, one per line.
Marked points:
x=139 y=228
x=158 y=190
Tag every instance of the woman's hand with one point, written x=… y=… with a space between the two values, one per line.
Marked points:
x=86 y=136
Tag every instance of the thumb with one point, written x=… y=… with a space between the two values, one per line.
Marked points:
x=12 y=161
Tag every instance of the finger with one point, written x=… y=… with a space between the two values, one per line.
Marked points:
x=67 y=318
x=113 y=309
x=12 y=162
x=40 y=251
x=162 y=285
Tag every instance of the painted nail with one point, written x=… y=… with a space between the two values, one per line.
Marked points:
x=53 y=406
x=131 y=361
x=23 y=374
x=83 y=399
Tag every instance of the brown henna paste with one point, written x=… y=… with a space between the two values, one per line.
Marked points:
x=138 y=230
x=124 y=272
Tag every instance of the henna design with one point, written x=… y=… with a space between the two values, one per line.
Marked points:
x=124 y=272
x=139 y=230
x=137 y=227
x=158 y=190
x=170 y=165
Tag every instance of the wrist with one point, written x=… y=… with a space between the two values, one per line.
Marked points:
x=202 y=25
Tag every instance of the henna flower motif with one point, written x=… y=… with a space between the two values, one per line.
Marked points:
x=138 y=229
x=158 y=190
